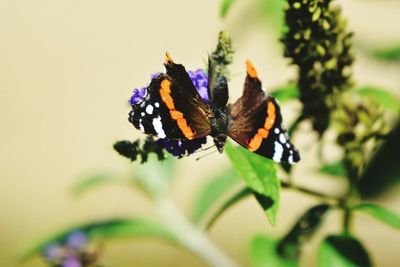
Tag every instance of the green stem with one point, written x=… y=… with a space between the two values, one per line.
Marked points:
x=347 y=219
x=189 y=236
x=310 y=192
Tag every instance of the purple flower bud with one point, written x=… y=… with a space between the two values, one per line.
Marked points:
x=138 y=94
x=71 y=262
x=200 y=81
x=76 y=240
x=154 y=75
x=52 y=252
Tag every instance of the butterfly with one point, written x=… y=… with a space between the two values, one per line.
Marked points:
x=173 y=109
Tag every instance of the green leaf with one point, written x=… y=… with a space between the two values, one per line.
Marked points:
x=380 y=213
x=259 y=174
x=264 y=254
x=342 y=251
x=225 y=7
x=109 y=229
x=336 y=169
x=290 y=245
x=383 y=170
x=286 y=93
x=389 y=53
x=381 y=96
x=228 y=203
x=93 y=181
x=212 y=192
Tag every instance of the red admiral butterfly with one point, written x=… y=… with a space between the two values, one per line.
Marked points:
x=173 y=109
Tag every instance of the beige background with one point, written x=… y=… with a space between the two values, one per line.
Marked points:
x=67 y=69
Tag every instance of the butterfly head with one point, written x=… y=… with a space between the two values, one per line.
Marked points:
x=219 y=141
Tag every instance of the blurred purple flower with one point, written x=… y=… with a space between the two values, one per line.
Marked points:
x=76 y=240
x=71 y=262
x=52 y=252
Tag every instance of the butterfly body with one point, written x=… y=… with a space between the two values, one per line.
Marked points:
x=220 y=120
x=173 y=109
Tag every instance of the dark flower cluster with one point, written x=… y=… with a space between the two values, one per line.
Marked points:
x=177 y=148
x=222 y=56
x=132 y=150
x=71 y=252
x=318 y=43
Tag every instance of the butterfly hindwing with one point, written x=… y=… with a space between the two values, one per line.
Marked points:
x=257 y=122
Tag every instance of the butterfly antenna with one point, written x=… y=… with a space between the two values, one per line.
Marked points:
x=212 y=152
x=203 y=149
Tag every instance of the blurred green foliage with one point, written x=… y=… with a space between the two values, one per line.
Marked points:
x=264 y=253
x=289 y=247
x=388 y=54
x=383 y=171
x=343 y=251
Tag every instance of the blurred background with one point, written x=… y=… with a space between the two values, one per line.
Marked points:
x=67 y=70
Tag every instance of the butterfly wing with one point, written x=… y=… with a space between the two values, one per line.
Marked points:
x=172 y=107
x=257 y=122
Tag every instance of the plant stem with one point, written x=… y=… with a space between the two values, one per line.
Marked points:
x=190 y=237
x=346 y=220
x=310 y=192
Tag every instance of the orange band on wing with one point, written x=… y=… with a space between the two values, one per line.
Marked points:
x=262 y=133
x=251 y=71
x=165 y=93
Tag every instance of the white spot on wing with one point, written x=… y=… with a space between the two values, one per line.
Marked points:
x=278 y=152
x=158 y=127
x=276 y=130
x=290 y=159
x=142 y=114
x=157 y=105
x=141 y=128
x=149 y=109
x=282 y=138
x=287 y=145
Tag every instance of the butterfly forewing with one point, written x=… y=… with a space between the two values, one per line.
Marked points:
x=172 y=108
x=187 y=100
